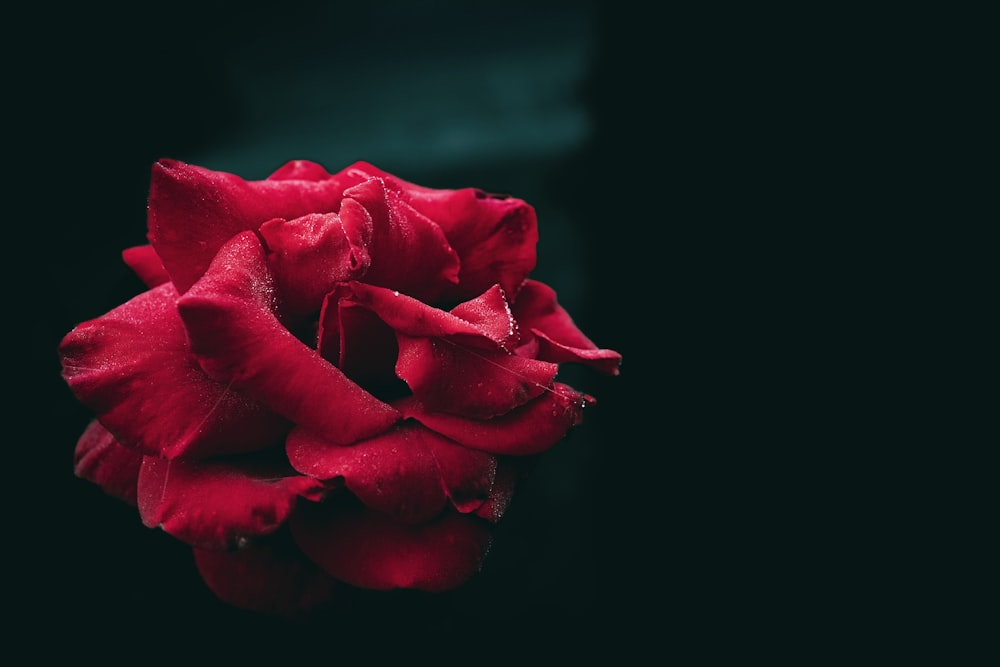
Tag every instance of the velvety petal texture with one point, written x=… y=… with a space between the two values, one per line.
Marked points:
x=332 y=380
x=134 y=368
x=221 y=504
x=193 y=211
x=232 y=329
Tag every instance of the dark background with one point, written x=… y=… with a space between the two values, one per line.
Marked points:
x=651 y=145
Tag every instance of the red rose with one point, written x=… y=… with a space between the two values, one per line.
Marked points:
x=332 y=378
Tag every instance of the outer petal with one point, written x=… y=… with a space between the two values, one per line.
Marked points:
x=229 y=315
x=409 y=252
x=370 y=549
x=494 y=235
x=100 y=459
x=536 y=310
x=219 y=504
x=193 y=210
x=146 y=264
x=530 y=429
x=508 y=475
x=133 y=368
x=392 y=473
x=272 y=576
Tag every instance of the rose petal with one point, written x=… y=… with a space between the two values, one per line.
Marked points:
x=495 y=236
x=530 y=429
x=370 y=549
x=411 y=316
x=101 y=460
x=508 y=475
x=536 y=310
x=408 y=472
x=133 y=368
x=193 y=210
x=467 y=475
x=220 y=504
x=272 y=576
x=447 y=376
x=409 y=252
x=308 y=256
x=393 y=472
x=363 y=347
x=237 y=337
x=146 y=264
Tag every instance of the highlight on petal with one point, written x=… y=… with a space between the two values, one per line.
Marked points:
x=146 y=264
x=133 y=368
x=99 y=459
x=193 y=211
x=369 y=549
x=233 y=330
x=530 y=429
x=495 y=236
x=537 y=310
x=222 y=503
x=271 y=576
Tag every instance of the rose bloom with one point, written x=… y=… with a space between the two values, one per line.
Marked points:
x=332 y=379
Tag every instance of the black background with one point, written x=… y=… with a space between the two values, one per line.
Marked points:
x=651 y=145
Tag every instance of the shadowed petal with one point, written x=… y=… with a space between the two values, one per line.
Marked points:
x=408 y=472
x=219 y=504
x=271 y=576
x=508 y=475
x=393 y=472
x=370 y=549
x=530 y=429
x=536 y=310
x=237 y=338
x=133 y=368
x=101 y=460
x=193 y=210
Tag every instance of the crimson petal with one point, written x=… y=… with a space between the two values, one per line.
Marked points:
x=101 y=460
x=219 y=504
x=237 y=337
x=272 y=577
x=530 y=429
x=409 y=252
x=537 y=310
x=308 y=256
x=133 y=368
x=146 y=264
x=393 y=472
x=447 y=376
x=193 y=210
x=495 y=236
x=369 y=549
